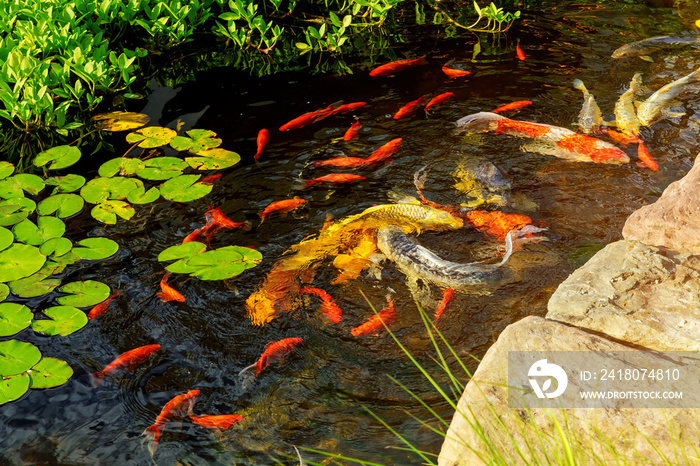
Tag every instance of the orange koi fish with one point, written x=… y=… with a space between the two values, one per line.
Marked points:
x=588 y=146
x=334 y=178
x=645 y=158
x=621 y=138
x=169 y=293
x=512 y=106
x=377 y=321
x=307 y=118
x=275 y=351
x=348 y=107
x=437 y=100
x=343 y=162
x=210 y=180
x=454 y=72
x=127 y=361
x=396 y=66
x=100 y=309
x=519 y=52
x=521 y=128
x=496 y=224
x=328 y=306
x=219 y=421
x=384 y=152
x=409 y=108
x=194 y=236
x=177 y=407
x=262 y=139
x=216 y=217
x=447 y=296
x=353 y=131
x=282 y=207
x=380 y=155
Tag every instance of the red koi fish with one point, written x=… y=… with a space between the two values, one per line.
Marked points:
x=334 y=178
x=177 y=407
x=396 y=66
x=519 y=52
x=645 y=158
x=328 y=306
x=219 y=422
x=438 y=99
x=126 y=361
x=343 y=162
x=353 y=131
x=307 y=118
x=263 y=137
x=194 y=236
x=348 y=107
x=621 y=138
x=282 y=207
x=447 y=296
x=409 y=108
x=100 y=309
x=210 y=180
x=169 y=293
x=512 y=106
x=380 y=155
x=454 y=72
x=215 y=217
x=384 y=152
x=274 y=351
x=377 y=321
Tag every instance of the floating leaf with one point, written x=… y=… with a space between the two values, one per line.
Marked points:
x=17 y=357
x=59 y=156
x=65 y=184
x=49 y=372
x=122 y=165
x=199 y=139
x=101 y=189
x=141 y=196
x=15 y=186
x=63 y=321
x=120 y=121
x=107 y=211
x=95 y=248
x=66 y=259
x=223 y=263
x=56 y=246
x=47 y=227
x=6 y=238
x=38 y=284
x=213 y=159
x=182 y=251
x=14 y=318
x=15 y=210
x=162 y=168
x=19 y=261
x=84 y=293
x=184 y=188
x=64 y=205
x=11 y=388
x=153 y=136
x=6 y=169
x=4 y=291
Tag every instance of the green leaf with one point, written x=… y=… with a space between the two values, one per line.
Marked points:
x=47 y=228
x=161 y=168
x=120 y=121
x=95 y=248
x=182 y=251
x=99 y=190
x=184 y=188
x=49 y=372
x=15 y=210
x=223 y=263
x=107 y=211
x=83 y=293
x=66 y=184
x=213 y=159
x=141 y=196
x=17 y=357
x=198 y=140
x=65 y=205
x=14 y=318
x=150 y=137
x=19 y=261
x=4 y=291
x=63 y=321
x=6 y=238
x=11 y=388
x=15 y=186
x=56 y=246
x=334 y=19
x=121 y=165
x=59 y=156
x=6 y=169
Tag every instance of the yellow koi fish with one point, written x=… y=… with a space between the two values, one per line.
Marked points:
x=660 y=100
x=590 y=118
x=625 y=114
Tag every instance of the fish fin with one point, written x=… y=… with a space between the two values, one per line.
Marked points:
x=153 y=436
x=246 y=369
x=96 y=379
x=647 y=58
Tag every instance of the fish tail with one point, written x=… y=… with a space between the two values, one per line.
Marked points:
x=308 y=183
x=242 y=373
x=247 y=377
x=422 y=61
x=153 y=432
x=96 y=379
x=578 y=84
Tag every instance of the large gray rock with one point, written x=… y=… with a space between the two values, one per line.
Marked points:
x=636 y=293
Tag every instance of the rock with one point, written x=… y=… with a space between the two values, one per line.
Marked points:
x=636 y=293
x=673 y=221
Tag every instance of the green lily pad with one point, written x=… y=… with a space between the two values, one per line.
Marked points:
x=121 y=165
x=15 y=210
x=65 y=184
x=182 y=251
x=4 y=291
x=56 y=246
x=213 y=159
x=141 y=196
x=199 y=139
x=59 y=156
x=47 y=227
x=150 y=137
x=17 y=357
x=14 y=318
x=6 y=238
x=6 y=169
x=65 y=205
x=161 y=168
x=223 y=263
x=95 y=248
x=184 y=188
x=49 y=372
x=120 y=121
x=16 y=185
x=63 y=320
x=66 y=259
x=11 y=388
x=101 y=189
x=107 y=211
x=19 y=261
x=34 y=286
x=84 y=293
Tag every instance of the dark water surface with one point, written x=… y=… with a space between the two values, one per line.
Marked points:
x=314 y=399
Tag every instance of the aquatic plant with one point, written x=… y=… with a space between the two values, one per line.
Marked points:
x=497 y=19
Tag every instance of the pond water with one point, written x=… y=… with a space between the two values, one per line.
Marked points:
x=315 y=398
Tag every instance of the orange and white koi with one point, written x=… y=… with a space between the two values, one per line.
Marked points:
x=328 y=306
x=261 y=141
x=447 y=296
x=307 y=118
x=386 y=316
x=396 y=66
x=454 y=72
x=275 y=351
x=409 y=108
x=282 y=207
x=353 y=131
x=519 y=52
x=438 y=99
x=349 y=107
x=169 y=293
x=100 y=309
x=177 y=407
x=334 y=178
x=210 y=180
x=512 y=106
x=217 y=421
x=126 y=361
x=645 y=158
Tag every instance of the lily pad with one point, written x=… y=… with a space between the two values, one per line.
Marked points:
x=122 y=165
x=107 y=211
x=223 y=263
x=95 y=248
x=153 y=136
x=15 y=210
x=182 y=251
x=184 y=188
x=199 y=139
x=4 y=291
x=141 y=196
x=47 y=227
x=6 y=238
x=162 y=168
x=19 y=261
x=17 y=357
x=14 y=318
x=84 y=293
x=11 y=388
x=49 y=372
x=99 y=190
x=64 y=205
x=213 y=159
x=16 y=185
x=63 y=320
x=120 y=121
x=56 y=246
x=59 y=156
x=34 y=286
x=65 y=184
x=6 y=169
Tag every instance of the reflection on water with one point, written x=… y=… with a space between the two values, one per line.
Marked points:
x=315 y=398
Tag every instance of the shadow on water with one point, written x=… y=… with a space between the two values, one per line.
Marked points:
x=313 y=398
